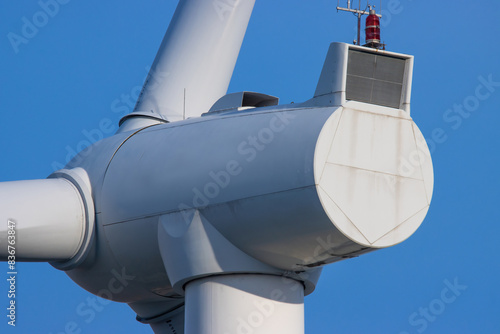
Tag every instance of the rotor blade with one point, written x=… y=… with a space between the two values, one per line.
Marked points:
x=196 y=59
x=45 y=220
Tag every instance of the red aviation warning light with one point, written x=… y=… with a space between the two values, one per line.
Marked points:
x=372 y=30
x=372 y=24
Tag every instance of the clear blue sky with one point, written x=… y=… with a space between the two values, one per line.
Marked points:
x=65 y=79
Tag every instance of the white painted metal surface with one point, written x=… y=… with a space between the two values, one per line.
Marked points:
x=257 y=304
x=244 y=100
x=192 y=248
x=331 y=88
x=339 y=181
x=234 y=184
x=51 y=220
x=196 y=59
x=374 y=175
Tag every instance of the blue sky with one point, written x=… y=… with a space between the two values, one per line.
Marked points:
x=67 y=76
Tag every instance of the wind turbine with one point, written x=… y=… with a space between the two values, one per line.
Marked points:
x=219 y=211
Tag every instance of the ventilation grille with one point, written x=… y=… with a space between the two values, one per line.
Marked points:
x=375 y=78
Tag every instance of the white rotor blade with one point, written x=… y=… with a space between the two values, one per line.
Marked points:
x=45 y=220
x=196 y=59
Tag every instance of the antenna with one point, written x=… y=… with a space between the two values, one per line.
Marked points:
x=359 y=13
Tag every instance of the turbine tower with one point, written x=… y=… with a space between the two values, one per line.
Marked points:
x=221 y=210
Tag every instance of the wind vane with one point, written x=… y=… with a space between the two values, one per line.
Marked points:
x=372 y=24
